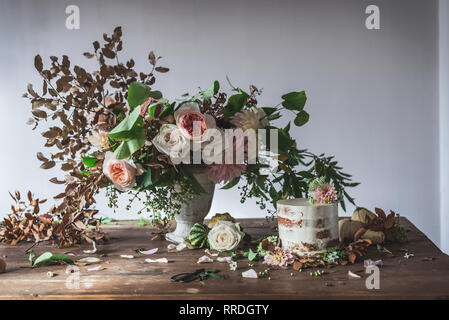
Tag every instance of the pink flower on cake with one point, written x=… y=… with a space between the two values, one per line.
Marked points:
x=188 y=115
x=279 y=258
x=225 y=172
x=122 y=173
x=325 y=194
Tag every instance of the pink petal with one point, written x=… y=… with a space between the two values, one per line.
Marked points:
x=98 y=268
x=148 y=252
x=250 y=274
x=204 y=259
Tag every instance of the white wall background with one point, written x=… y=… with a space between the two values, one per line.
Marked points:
x=373 y=94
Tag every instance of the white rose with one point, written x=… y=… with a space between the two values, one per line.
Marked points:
x=225 y=236
x=172 y=142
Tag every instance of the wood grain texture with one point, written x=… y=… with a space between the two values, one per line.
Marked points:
x=414 y=278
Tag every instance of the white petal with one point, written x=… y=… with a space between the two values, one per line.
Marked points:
x=224 y=259
x=204 y=259
x=160 y=260
x=148 y=252
x=353 y=275
x=250 y=274
x=126 y=256
x=98 y=268
x=181 y=246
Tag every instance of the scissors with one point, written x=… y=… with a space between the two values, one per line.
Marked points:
x=187 y=276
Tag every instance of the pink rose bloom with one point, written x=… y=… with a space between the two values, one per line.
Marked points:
x=122 y=173
x=187 y=115
x=225 y=172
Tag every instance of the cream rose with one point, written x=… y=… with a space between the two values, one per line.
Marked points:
x=99 y=137
x=225 y=236
x=172 y=142
x=254 y=118
x=187 y=115
x=122 y=173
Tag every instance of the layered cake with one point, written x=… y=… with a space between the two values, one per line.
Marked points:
x=307 y=229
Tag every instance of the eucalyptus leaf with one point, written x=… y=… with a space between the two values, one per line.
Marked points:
x=301 y=118
x=137 y=94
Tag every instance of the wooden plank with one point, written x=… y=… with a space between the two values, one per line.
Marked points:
x=414 y=278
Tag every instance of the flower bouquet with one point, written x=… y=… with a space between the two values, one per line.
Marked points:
x=111 y=129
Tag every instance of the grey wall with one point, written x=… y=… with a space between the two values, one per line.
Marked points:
x=373 y=95
x=444 y=121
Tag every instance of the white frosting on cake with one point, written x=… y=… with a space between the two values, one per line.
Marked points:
x=307 y=229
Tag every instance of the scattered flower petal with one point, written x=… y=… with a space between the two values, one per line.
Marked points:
x=88 y=260
x=148 y=252
x=171 y=246
x=98 y=268
x=408 y=255
x=225 y=259
x=211 y=254
x=250 y=274
x=50 y=274
x=93 y=250
x=370 y=262
x=353 y=275
x=204 y=259
x=126 y=256
x=160 y=260
x=181 y=246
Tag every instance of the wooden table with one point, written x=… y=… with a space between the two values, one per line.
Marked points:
x=424 y=276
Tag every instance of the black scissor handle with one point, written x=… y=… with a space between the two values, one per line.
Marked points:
x=187 y=276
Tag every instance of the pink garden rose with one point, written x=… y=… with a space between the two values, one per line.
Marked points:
x=122 y=173
x=187 y=115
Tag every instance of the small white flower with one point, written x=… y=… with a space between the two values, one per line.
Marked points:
x=225 y=236
x=233 y=266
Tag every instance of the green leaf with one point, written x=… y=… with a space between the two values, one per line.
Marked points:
x=212 y=90
x=155 y=95
x=269 y=110
x=137 y=94
x=43 y=258
x=301 y=118
x=236 y=103
x=89 y=161
x=231 y=183
x=31 y=257
x=142 y=222
x=251 y=255
x=48 y=258
x=294 y=100
x=123 y=131
x=168 y=110
x=146 y=181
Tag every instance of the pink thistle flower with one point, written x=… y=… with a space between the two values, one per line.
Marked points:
x=279 y=258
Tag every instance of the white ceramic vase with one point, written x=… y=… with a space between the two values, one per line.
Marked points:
x=195 y=210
